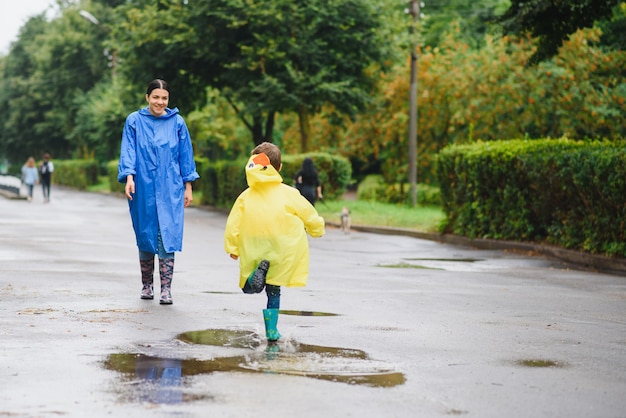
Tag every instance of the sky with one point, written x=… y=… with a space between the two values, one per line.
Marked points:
x=13 y=17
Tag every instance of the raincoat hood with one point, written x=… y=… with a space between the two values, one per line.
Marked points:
x=259 y=170
x=145 y=111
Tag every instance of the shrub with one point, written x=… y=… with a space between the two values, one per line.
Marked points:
x=563 y=192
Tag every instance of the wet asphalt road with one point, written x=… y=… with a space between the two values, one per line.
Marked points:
x=410 y=327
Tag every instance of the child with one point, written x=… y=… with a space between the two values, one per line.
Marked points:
x=30 y=176
x=266 y=230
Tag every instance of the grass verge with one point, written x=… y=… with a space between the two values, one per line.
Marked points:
x=420 y=218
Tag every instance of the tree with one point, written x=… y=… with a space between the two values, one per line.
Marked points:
x=265 y=56
x=48 y=69
x=473 y=19
x=552 y=21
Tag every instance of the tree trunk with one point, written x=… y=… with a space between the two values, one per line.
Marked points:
x=269 y=127
x=257 y=130
x=305 y=128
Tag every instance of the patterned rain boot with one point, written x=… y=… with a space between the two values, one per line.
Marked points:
x=166 y=271
x=270 y=316
x=256 y=280
x=147 y=278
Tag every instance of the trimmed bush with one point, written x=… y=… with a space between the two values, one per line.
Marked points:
x=559 y=191
x=78 y=174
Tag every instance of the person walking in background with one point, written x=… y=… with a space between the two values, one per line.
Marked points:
x=308 y=182
x=266 y=230
x=157 y=165
x=45 y=169
x=30 y=176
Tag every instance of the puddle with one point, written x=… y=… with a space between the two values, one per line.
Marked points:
x=538 y=363
x=438 y=263
x=306 y=313
x=222 y=338
x=465 y=260
x=407 y=266
x=222 y=293
x=163 y=380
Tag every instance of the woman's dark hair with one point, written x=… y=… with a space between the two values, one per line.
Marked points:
x=157 y=84
x=307 y=167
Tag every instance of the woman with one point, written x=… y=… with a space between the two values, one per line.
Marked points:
x=30 y=176
x=157 y=165
x=307 y=181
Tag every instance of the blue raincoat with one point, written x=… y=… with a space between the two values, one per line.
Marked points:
x=157 y=151
x=270 y=220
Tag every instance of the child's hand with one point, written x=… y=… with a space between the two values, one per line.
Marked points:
x=234 y=257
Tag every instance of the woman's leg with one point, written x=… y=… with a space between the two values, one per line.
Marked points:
x=146 y=262
x=166 y=272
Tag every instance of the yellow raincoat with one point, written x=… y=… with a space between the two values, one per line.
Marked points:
x=270 y=221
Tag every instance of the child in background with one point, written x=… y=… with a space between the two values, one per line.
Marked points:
x=267 y=231
x=30 y=176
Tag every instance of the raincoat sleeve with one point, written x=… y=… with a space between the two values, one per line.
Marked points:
x=128 y=155
x=313 y=222
x=231 y=233
x=186 y=162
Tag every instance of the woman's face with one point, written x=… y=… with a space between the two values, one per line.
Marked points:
x=157 y=101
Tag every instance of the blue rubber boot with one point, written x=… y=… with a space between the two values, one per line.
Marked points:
x=271 y=319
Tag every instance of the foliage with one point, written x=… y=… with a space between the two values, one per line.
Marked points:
x=79 y=174
x=568 y=193
x=49 y=69
x=374 y=188
x=488 y=94
x=471 y=19
x=99 y=120
x=552 y=21
x=225 y=180
x=215 y=131
x=265 y=57
x=334 y=171
x=614 y=29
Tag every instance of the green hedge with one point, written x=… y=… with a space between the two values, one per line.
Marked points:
x=79 y=174
x=223 y=181
x=559 y=191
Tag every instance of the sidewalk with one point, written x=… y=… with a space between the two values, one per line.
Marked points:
x=388 y=326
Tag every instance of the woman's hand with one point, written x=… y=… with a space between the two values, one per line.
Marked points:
x=188 y=194
x=129 y=189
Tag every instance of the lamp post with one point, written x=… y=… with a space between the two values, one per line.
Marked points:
x=414 y=11
x=113 y=57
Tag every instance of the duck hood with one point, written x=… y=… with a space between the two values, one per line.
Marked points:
x=260 y=171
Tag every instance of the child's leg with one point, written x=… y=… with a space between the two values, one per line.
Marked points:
x=273 y=296
x=270 y=315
